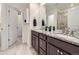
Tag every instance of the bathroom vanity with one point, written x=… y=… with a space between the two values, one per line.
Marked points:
x=46 y=43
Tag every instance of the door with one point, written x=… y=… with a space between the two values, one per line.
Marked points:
x=19 y=29
x=4 y=27
x=8 y=26
x=33 y=41
x=36 y=43
x=41 y=52
x=12 y=26
x=42 y=44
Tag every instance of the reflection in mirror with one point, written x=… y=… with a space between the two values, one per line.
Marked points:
x=64 y=17
x=43 y=22
x=51 y=20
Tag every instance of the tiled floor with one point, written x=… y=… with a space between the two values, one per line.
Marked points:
x=19 y=48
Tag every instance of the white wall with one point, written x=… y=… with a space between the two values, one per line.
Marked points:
x=42 y=15
x=0 y=13
x=0 y=24
x=39 y=12
x=34 y=12
x=26 y=27
x=26 y=33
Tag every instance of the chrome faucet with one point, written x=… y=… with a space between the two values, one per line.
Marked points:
x=72 y=33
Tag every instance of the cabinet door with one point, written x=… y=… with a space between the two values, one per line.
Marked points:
x=43 y=44
x=36 y=43
x=33 y=41
x=51 y=50
x=64 y=53
x=42 y=36
x=42 y=52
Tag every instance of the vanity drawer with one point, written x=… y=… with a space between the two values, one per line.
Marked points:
x=35 y=33
x=68 y=47
x=42 y=36
x=43 y=44
x=50 y=39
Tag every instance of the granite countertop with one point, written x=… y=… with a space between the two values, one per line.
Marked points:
x=63 y=37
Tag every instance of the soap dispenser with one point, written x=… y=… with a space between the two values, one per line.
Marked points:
x=53 y=28
x=43 y=24
x=50 y=28
x=46 y=28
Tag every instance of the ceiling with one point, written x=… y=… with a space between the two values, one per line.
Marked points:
x=19 y=6
x=61 y=6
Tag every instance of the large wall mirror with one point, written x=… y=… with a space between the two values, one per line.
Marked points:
x=64 y=16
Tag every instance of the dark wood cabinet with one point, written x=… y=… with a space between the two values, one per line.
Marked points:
x=46 y=45
x=43 y=44
x=66 y=46
x=35 y=42
x=42 y=52
x=42 y=36
x=55 y=42
x=63 y=52
x=51 y=50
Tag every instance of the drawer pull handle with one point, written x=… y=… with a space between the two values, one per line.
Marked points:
x=61 y=53
x=58 y=51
